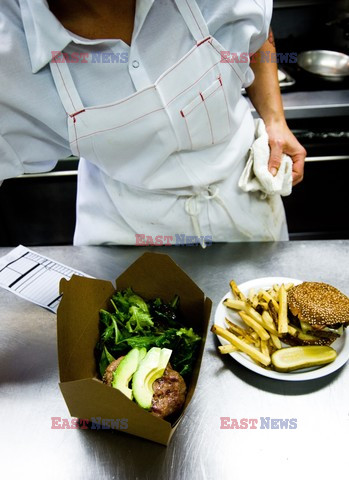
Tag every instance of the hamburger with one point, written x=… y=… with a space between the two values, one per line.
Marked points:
x=319 y=313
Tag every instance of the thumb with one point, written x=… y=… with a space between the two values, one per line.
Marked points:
x=275 y=157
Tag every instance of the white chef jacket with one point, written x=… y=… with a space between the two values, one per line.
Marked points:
x=33 y=129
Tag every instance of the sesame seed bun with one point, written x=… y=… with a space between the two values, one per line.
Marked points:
x=318 y=304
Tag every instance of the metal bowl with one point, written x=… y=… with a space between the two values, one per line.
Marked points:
x=325 y=63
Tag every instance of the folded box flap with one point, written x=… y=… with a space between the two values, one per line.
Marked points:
x=157 y=275
x=197 y=366
x=78 y=325
x=91 y=399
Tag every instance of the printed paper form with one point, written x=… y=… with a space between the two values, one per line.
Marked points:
x=34 y=277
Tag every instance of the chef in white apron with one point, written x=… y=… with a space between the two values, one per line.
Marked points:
x=166 y=160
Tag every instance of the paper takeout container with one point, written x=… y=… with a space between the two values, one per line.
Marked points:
x=152 y=275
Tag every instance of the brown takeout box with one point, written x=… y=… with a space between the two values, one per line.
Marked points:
x=152 y=275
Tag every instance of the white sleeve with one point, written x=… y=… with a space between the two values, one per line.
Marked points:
x=29 y=152
x=259 y=38
x=10 y=165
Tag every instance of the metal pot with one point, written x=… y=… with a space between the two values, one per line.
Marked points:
x=333 y=66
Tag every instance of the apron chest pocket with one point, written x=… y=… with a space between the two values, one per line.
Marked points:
x=206 y=117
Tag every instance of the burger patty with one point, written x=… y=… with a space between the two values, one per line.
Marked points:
x=169 y=390
x=169 y=393
x=294 y=341
x=109 y=371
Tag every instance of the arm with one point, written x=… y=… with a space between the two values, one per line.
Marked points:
x=265 y=96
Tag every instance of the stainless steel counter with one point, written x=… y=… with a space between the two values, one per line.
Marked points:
x=30 y=395
x=315 y=104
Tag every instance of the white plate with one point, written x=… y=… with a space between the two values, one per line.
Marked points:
x=341 y=345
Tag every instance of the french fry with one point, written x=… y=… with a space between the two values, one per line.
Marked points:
x=241 y=345
x=229 y=348
x=236 y=292
x=240 y=305
x=254 y=302
x=264 y=347
x=263 y=304
x=291 y=330
x=234 y=304
x=298 y=333
x=270 y=327
x=275 y=341
x=282 y=316
x=288 y=286
x=250 y=311
x=272 y=293
x=251 y=294
x=237 y=330
x=273 y=332
x=252 y=298
x=256 y=338
x=271 y=345
x=274 y=314
x=257 y=327
x=267 y=319
x=269 y=298
x=248 y=340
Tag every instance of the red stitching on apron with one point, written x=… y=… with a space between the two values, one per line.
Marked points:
x=151 y=87
x=180 y=93
x=209 y=120
x=76 y=137
x=153 y=111
x=65 y=86
x=191 y=11
x=230 y=65
x=188 y=113
x=73 y=115
x=203 y=99
x=214 y=91
x=118 y=126
x=121 y=101
x=187 y=55
x=226 y=102
x=142 y=91
x=191 y=141
x=203 y=41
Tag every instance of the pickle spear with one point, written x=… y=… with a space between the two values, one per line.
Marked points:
x=295 y=358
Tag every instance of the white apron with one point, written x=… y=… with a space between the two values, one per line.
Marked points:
x=166 y=160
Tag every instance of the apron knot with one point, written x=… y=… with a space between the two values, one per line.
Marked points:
x=193 y=208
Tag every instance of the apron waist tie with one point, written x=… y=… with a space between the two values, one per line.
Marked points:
x=193 y=208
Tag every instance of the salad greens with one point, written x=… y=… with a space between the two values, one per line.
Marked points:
x=135 y=322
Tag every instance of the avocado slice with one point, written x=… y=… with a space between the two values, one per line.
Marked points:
x=127 y=367
x=150 y=369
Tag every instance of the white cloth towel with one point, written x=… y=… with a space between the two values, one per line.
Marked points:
x=256 y=176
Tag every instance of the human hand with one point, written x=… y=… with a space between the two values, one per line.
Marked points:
x=282 y=140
